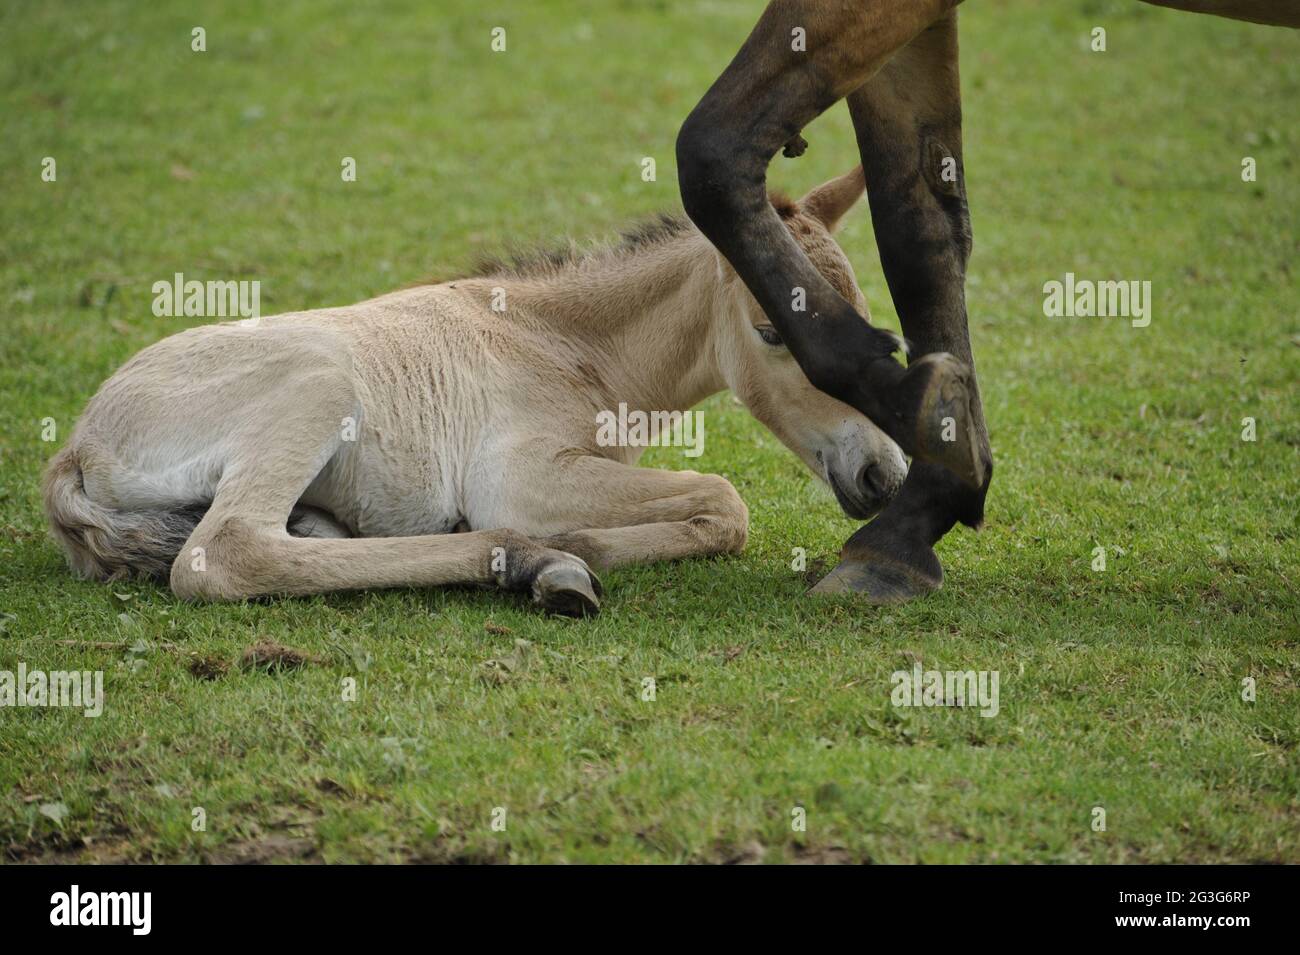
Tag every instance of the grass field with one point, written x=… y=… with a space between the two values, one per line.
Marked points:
x=1120 y=689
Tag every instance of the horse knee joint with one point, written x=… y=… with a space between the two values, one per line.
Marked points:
x=707 y=161
x=726 y=520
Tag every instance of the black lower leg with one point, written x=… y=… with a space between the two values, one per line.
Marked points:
x=908 y=124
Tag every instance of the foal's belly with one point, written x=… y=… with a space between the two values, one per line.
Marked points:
x=385 y=487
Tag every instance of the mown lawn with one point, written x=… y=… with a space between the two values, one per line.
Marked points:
x=1120 y=689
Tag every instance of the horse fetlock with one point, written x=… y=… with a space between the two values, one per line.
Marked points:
x=514 y=559
x=944 y=427
x=560 y=582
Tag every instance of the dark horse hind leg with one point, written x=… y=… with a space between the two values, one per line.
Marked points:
x=908 y=124
x=802 y=57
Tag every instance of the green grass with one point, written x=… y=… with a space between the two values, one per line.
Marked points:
x=1119 y=689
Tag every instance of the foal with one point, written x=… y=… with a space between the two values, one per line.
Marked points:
x=341 y=448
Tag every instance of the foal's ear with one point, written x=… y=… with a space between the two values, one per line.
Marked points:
x=829 y=201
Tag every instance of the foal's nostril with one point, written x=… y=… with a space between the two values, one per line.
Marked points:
x=873 y=482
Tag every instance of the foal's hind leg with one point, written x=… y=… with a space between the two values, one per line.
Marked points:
x=908 y=123
x=242 y=548
x=245 y=559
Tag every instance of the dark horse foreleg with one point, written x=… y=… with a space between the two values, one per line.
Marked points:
x=908 y=124
x=803 y=56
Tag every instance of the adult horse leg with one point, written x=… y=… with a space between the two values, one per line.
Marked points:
x=802 y=57
x=1278 y=13
x=908 y=124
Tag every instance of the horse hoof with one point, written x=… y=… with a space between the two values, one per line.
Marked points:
x=879 y=579
x=568 y=588
x=946 y=433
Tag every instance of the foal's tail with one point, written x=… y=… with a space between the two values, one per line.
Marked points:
x=104 y=543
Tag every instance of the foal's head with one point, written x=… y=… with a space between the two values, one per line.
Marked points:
x=861 y=464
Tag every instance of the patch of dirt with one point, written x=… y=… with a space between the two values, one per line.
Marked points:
x=751 y=853
x=823 y=855
x=754 y=852
x=269 y=848
x=815 y=571
x=208 y=668
x=57 y=850
x=452 y=851
x=271 y=656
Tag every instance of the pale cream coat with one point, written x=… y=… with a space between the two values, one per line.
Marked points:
x=339 y=448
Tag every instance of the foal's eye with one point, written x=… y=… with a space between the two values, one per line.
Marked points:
x=769 y=334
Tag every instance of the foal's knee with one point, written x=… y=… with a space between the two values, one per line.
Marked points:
x=723 y=520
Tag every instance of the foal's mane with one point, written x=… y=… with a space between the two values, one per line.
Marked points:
x=546 y=261
x=549 y=261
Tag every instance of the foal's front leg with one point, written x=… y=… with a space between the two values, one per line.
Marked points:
x=801 y=58
x=620 y=514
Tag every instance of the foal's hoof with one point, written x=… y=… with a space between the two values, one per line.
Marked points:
x=945 y=425
x=880 y=580
x=568 y=587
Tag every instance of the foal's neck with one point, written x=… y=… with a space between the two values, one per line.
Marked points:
x=651 y=315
